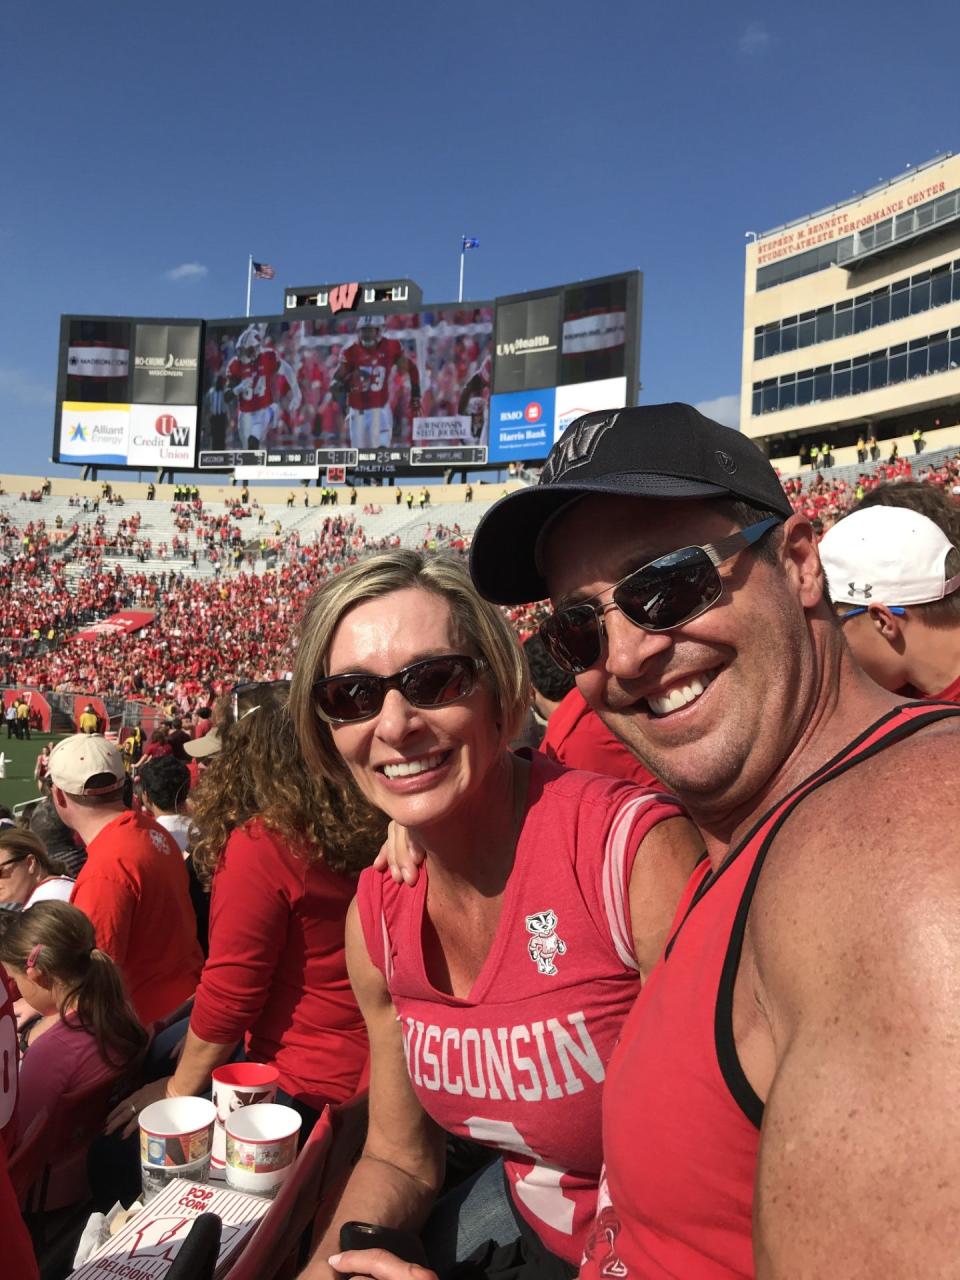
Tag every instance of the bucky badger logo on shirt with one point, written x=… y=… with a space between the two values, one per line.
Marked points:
x=545 y=945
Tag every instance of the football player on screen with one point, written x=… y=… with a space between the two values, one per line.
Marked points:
x=475 y=397
x=250 y=380
x=364 y=373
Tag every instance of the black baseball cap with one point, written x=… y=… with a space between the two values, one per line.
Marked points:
x=655 y=451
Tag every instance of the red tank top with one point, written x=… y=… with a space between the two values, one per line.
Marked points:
x=681 y=1123
x=519 y=1064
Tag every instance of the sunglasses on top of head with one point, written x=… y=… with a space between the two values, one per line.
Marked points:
x=659 y=596
x=243 y=695
x=431 y=682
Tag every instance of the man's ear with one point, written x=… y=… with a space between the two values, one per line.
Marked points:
x=801 y=558
x=887 y=624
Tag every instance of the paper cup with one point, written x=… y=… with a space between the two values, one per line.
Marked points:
x=176 y=1132
x=154 y=1177
x=261 y=1147
x=236 y=1085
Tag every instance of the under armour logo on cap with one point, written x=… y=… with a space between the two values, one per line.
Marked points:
x=577 y=445
x=866 y=590
x=729 y=464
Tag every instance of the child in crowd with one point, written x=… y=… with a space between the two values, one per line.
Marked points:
x=86 y=1032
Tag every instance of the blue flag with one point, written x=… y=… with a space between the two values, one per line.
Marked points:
x=469 y=242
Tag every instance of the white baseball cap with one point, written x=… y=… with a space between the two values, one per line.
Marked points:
x=76 y=760
x=887 y=555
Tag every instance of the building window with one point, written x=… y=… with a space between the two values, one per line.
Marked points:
x=917 y=359
x=908 y=297
x=942 y=209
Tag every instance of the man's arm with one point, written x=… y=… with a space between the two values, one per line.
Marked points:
x=857 y=945
x=401 y=1168
x=661 y=869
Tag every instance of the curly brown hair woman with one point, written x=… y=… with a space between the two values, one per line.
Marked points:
x=281 y=850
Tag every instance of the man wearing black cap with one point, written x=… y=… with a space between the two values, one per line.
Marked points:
x=820 y=997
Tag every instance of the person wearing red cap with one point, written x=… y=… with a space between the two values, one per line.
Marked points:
x=134 y=885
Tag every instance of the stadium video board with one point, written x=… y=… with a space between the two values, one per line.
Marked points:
x=127 y=392
x=376 y=392
x=381 y=386
x=559 y=353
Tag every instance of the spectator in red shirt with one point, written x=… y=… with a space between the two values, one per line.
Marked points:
x=282 y=851
x=133 y=885
x=575 y=735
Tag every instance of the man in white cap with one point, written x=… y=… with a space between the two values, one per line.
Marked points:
x=134 y=885
x=894 y=578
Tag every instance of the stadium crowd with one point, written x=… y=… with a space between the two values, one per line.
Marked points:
x=517 y=914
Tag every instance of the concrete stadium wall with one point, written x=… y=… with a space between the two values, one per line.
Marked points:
x=215 y=495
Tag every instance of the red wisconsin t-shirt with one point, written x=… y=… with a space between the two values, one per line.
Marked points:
x=135 y=890
x=519 y=1063
x=276 y=974
x=578 y=738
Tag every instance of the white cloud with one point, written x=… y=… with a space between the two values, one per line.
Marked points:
x=754 y=39
x=18 y=388
x=723 y=409
x=187 y=271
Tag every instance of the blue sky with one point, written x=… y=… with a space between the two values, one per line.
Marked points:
x=148 y=149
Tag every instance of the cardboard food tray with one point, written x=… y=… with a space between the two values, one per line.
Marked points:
x=148 y=1242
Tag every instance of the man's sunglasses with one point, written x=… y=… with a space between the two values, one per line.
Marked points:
x=661 y=595
x=431 y=682
x=863 y=608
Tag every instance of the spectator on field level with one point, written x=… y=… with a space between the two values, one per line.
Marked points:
x=60 y=842
x=894 y=577
x=10 y=717
x=89 y=720
x=27 y=872
x=164 y=789
x=133 y=886
x=158 y=747
x=85 y=1031
x=40 y=766
x=282 y=851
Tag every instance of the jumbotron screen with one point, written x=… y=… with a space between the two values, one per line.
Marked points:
x=417 y=381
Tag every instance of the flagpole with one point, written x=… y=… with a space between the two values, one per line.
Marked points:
x=462 y=252
x=249 y=281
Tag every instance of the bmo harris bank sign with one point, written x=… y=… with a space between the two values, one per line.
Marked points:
x=521 y=425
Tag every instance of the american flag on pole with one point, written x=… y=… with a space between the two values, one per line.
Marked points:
x=263 y=271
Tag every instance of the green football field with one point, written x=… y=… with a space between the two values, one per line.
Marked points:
x=19 y=785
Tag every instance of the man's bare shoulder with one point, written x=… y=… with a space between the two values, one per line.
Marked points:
x=876 y=848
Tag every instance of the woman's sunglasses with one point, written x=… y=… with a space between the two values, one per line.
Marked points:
x=666 y=593
x=432 y=682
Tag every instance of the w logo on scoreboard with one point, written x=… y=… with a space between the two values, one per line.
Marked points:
x=168 y=427
x=343 y=297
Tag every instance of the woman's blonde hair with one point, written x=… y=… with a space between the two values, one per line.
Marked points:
x=260 y=773
x=479 y=628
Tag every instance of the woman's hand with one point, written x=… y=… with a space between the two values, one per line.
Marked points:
x=124 y=1115
x=379 y=1264
x=400 y=855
